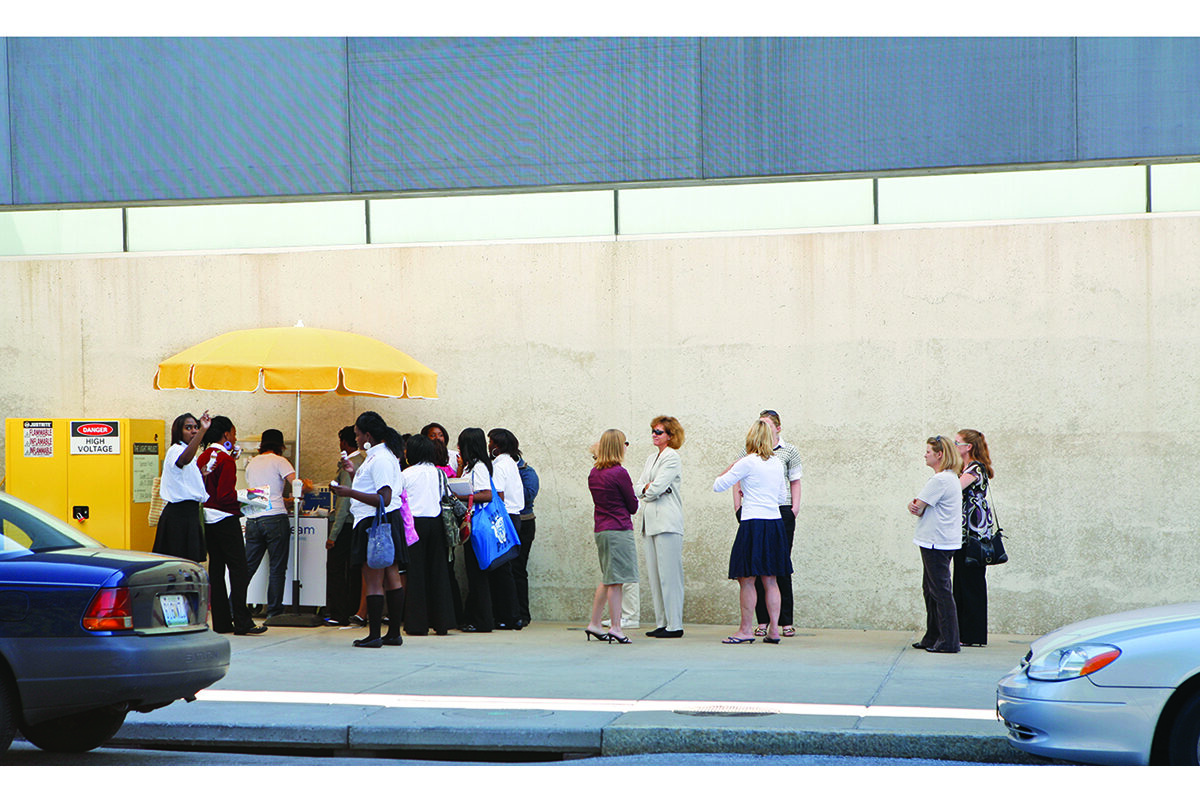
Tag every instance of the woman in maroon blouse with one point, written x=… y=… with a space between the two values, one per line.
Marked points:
x=615 y=502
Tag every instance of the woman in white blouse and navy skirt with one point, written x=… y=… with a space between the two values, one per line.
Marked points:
x=760 y=549
x=377 y=480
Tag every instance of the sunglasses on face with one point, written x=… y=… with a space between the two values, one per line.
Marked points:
x=657 y=432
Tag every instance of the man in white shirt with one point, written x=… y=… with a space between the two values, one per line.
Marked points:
x=267 y=530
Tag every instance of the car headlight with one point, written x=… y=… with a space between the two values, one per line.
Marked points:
x=1076 y=661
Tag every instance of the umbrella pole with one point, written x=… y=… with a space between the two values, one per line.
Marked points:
x=296 y=503
x=296 y=619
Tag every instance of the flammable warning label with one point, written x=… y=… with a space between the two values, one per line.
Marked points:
x=39 y=439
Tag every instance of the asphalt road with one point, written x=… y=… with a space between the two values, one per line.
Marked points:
x=25 y=754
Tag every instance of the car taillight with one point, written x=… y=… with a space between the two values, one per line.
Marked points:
x=109 y=611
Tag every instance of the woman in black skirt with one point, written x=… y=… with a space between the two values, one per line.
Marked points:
x=428 y=588
x=760 y=549
x=377 y=480
x=180 y=531
x=978 y=521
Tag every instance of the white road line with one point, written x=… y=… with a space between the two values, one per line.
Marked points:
x=586 y=704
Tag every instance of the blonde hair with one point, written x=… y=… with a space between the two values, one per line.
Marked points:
x=944 y=446
x=610 y=450
x=759 y=441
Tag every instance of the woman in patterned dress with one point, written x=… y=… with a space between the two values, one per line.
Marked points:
x=970 y=580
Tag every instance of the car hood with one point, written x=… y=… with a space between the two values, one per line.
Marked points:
x=1159 y=646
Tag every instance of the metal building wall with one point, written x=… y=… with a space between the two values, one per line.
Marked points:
x=128 y=119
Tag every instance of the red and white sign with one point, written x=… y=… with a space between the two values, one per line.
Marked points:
x=39 y=439
x=90 y=437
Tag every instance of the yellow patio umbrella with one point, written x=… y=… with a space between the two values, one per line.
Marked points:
x=297 y=359
x=304 y=361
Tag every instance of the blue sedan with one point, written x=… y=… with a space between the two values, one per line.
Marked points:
x=1118 y=689
x=88 y=634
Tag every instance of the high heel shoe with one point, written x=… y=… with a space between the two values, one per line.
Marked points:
x=600 y=637
x=616 y=638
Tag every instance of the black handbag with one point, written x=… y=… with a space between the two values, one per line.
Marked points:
x=987 y=551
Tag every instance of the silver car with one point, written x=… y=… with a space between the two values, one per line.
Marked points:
x=1118 y=689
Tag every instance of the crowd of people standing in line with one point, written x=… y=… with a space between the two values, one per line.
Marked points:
x=382 y=472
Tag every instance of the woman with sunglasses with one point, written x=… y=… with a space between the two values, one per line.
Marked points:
x=938 y=509
x=662 y=526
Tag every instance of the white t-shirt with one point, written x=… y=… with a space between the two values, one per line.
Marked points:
x=508 y=480
x=378 y=469
x=423 y=484
x=481 y=479
x=940 y=526
x=179 y=485
x=270 y=470
x=760 y=485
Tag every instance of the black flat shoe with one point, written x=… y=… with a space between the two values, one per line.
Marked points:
x=919 y=646
x=670 y=634
x=657 y=632
x=769 y=640
x=393 y=641
x=939 y=650
x=376 y=642
x=257 y=629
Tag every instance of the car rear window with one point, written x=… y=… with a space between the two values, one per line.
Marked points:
x=26 y=529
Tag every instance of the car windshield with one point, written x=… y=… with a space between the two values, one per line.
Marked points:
x=26 y=529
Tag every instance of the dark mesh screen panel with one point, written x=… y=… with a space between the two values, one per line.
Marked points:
x=6 y=163
x=1139 y=97
x=132 y=119
x=127 y=119
x=454 y=113
x=778 y=106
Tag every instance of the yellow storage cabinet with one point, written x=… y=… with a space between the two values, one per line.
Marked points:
x=96 y=474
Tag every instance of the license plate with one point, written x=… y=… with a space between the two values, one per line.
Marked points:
x=175 y=610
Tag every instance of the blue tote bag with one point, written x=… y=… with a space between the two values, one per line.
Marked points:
x=381 y=550
x=493 y=537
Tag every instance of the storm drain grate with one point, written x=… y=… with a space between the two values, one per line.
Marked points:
x=725 y=711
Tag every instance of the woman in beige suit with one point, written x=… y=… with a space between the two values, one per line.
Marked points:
x=662 y=527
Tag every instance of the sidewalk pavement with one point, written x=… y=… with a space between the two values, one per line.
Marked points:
x=545 y=690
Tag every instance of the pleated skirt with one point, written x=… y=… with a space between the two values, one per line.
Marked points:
x=760 y=549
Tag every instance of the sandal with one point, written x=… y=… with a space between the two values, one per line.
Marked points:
x=736 y=640
x=761 y=630
x=789 y=630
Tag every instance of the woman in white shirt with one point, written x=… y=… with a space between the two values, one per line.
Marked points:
x=506 y=452
x=180 y=532
x=429 y=602
x=760 y=549
x=938 y=509
x=491 y=593
x=377 y=480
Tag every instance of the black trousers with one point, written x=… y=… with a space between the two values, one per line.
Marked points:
x=343 y=583
x=520 y=567
x=784 y=581
x=941 y=617
x=428 y=601
x=970 y=599
x=227 y=552
x=491 y=594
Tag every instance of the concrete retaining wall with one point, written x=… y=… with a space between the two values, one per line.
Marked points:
x=1070 y=344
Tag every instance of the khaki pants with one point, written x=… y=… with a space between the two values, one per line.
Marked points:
x=664 y=571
